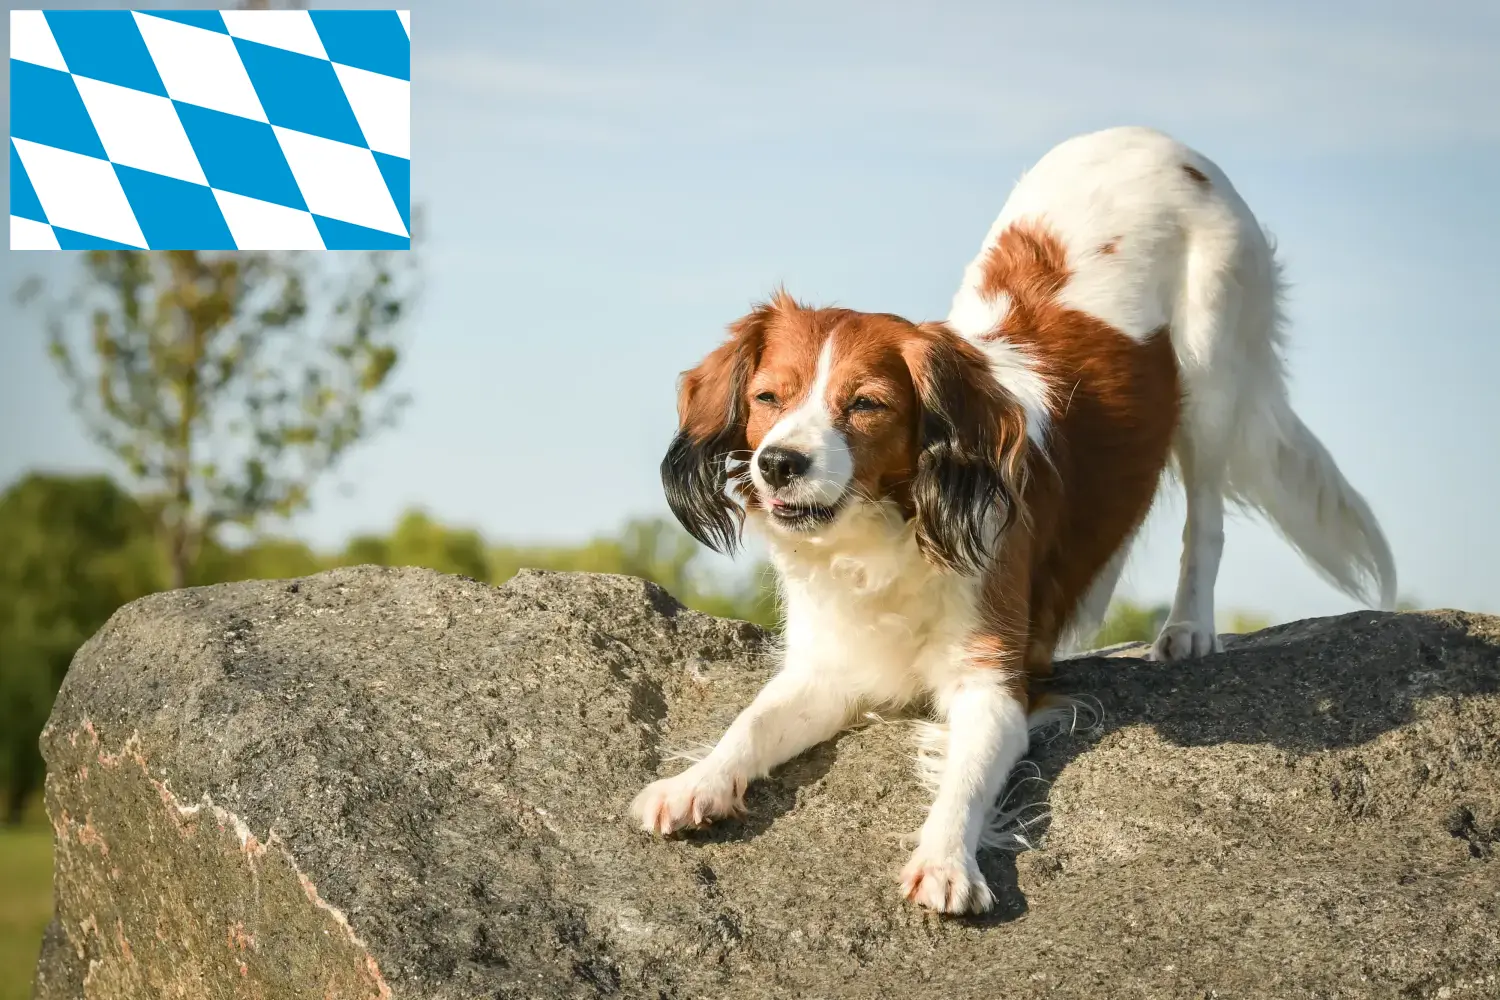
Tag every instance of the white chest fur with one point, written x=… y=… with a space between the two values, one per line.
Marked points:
x=866 y=611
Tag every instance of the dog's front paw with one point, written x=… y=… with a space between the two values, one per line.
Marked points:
x=695 y=797
x=1185 y=641
x=948 y=882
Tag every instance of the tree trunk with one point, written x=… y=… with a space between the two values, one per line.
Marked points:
x=177 y=556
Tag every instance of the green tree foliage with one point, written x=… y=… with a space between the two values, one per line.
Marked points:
x=72 y=550
x=1240 y=622
x=226 y=384
x=1127 y=621
x=658 y=550
x=266 y=559
x=420 y=541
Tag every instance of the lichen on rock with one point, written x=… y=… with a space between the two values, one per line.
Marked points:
x=165 y=899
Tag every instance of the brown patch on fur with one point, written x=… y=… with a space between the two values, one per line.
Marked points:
x=709 y=396
x=1028 y=265
x=1111 y=247
x=1116 y=404
x=1110 y=446
x=1197 y=175
x=792 y=338
x=868 y=362
x=1004 y=640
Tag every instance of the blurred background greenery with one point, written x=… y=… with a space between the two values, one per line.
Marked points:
x=222 y=388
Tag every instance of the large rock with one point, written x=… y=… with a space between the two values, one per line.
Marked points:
x=376 y=783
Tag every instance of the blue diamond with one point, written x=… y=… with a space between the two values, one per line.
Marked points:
x=366 y=39
x=347 y=236
x=300 y=92
x=174 y=214
x=105 y=45
x=68 y=239
x=240 y=156
x=397 y=174
x=45 y=108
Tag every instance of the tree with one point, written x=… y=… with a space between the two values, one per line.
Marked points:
x=72 y=550
x=657 y=550
x=265 y=559
x=227 y=384
x=1241 y=622
x=420 y=541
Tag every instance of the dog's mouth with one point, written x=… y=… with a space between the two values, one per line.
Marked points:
x=797 y=515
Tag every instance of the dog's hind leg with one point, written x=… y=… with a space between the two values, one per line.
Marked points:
x=1209 y=342
x=1189 y=630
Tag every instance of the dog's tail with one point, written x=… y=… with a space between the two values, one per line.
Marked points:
x=1282 y=470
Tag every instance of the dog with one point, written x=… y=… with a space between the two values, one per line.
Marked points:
x=945 y=503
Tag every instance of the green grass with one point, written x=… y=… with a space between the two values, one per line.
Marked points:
x=25 y=902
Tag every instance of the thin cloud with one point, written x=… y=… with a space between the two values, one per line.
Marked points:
x=495 y=77
x=1003 y=80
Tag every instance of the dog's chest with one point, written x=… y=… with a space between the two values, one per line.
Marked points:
x=888 y=625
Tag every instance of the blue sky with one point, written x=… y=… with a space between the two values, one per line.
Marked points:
x=607 y=185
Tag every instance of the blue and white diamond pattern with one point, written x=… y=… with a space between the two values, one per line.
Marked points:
x=210 y=130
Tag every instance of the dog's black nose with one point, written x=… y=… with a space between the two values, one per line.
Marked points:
x=781 y=465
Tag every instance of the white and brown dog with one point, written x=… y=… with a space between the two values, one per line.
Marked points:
x=944 y=501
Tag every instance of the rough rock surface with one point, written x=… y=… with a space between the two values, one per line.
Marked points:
x=374 y=783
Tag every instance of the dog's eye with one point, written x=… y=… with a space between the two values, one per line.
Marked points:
x=865 y=404
x=767 y=397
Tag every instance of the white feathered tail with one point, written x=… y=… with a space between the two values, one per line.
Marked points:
x=1281 y=469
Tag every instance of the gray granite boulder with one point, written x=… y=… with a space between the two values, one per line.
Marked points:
x=393 y=783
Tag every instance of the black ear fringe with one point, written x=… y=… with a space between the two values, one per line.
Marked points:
x=957 y=494
x=695 y=473
x=694 y=476
x=959 y=483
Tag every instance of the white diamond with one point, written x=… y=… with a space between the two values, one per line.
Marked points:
x=80 y=193
x=31 y=40
x=340 y=181
x=382 y=105
x=260 y=225
x=285 y=29
x=28 y=234
x=140 y=130
x=200 y=67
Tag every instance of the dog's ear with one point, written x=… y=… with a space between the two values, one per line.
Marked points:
x=711 y=415
x=971 y=450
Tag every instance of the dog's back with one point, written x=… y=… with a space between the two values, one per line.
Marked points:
x=1149 y=238
x=1130 y=207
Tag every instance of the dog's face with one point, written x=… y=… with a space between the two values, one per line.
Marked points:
x=831 y=416
x=824 y=409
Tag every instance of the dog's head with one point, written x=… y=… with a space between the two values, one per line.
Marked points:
x=831 y=408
